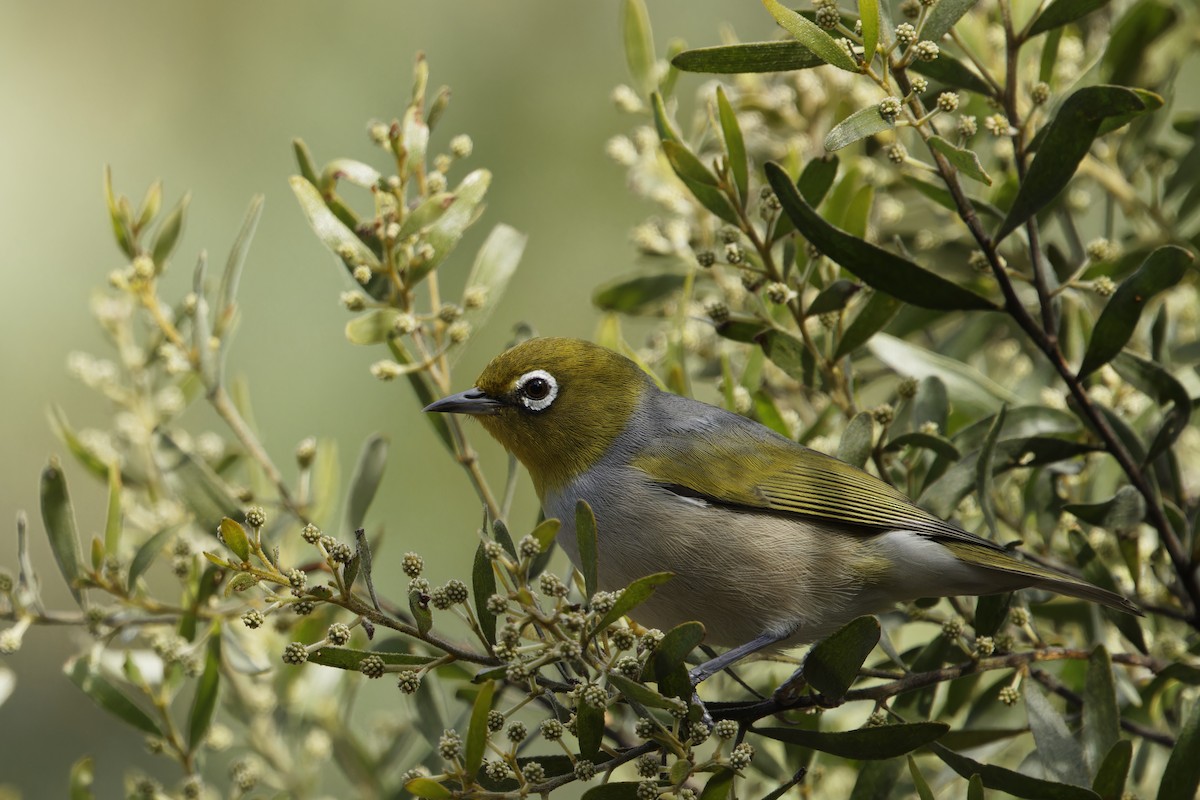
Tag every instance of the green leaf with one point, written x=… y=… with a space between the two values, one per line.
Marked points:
x=1007 y=780
x=204 y=493
x=1113 y=771
x=589 y=723
x=234 y=264
x=928 y=441
x=362 y=556
x=964 y=160
x=949 y=70
x=168 y=233
x=495 y=264
x=83 y=454
x=1101 y=716
x=985 y=469
x=718 y=785
x=81 y=779
x=425 y=214
x=877 y=267
x=637 y=294
x=351 y=659
x=968 y=388
x=1049 y=55
x=661 y=122
x=857 y=440
x=332 y=232
x=735 y=146
x=878 y=311
x=545 y=532
x=483 y=586
x=811 y=36
x=145 y=555
x=109 y=697
x=1181 y=778
x=113 y=518
x=991 y=610
x=1057 y=750
x=304 y=161
x=700 y=181
x=942 y=196
x=876 y=780
x=833 y=297
x=1064 y=142
x=616 y=790
x=1096 y=572
x=234 y=536
x=589 y=556
x=785 y=351
x=1063 y=12
x=868 y=13
x=204 y=703
x=675 y=647
x=1132 y=36
x=733 y=59
x=420 y=612
x=121 y=221
x=477 y=732
x=816 y=178
x=867 y=744
x=859 y=125
x=446 y=232
x=832 y=665
x=919 y=782
x=1155 y=381
x=428 y=788
x=943 y=16
x=355 y=172
x=1121 y=512
x=639 y=45
x=58 y=516
x=372 y=327
x=634 y=595
x=368 y=474
x=639 y=693
x=1161 y=270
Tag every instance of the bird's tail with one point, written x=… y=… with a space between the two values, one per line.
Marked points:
x=1041 y=577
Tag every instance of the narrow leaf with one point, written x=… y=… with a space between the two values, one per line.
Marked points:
x=868 y=13
x=1101 y=716
x=662 y=123
x=811 y=36
x=204 y=703
x=428 y=789
x=616 y=790
x=350 y=659
x=362 y=555
x=1007 y=780
x=82 y=777
x=114 y=518
x=477 y=732
x=1161 y=270
x=109 y=697
x=859 y=125
x=928 y=441
x=966 y=386
x=735 y=146
x=943 y=16
x=495 y=264
x=887 y=741
x=235 y=263
x=816 y=178
x=634 y=595
x=985 y=469
x=832 y=665
x=368 y=474
x=964 y=160
x=833 y=297
x=58 y=516
x=168 y=232
x=675 y=647
x=878 y=311
x=234 y=536
x=1113 y=771
x=881 y=269
x=637 y=294
x=145 y=555
x=1063 y=12
x=718 y=785
x=545 y=532
x=1181 y=778
x=638 y=692
x=589 y=722
x=332 y=232
x=748 y=57
x=483 y=586
x=372 y=327
x=919 y=782
x=949 y=70
x=585 y=534
x=1165 y=388
x=1058 y=751
x=857 y=440
x=639 y=45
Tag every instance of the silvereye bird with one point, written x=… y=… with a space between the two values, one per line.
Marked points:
x=772 y=544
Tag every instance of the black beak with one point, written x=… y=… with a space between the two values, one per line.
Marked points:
x=472 y=401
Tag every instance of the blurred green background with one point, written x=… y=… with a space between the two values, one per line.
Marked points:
x=208 y=96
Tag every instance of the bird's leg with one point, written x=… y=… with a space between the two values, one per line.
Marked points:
x=713 y=666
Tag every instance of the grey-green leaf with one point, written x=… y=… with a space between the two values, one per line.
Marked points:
x=639 y=45
x=495 y=264
x=1113 y=771
x=877 y=267
x=1101 y=716
x=58 y=516
x=748 y=57
x=868 y=13
x=589 y=556
x=878 y=311
x=887 y=741
x=146 y=554
x=235 y=538
x=637 y=294
x=832 y=665
x=964 y=160
x=985 y=469
x=919 y=782
x=446 y=232
x=1154 y=380
x=1007 y=780
x=332 y=232
x=1161 y=270
x=590 y=725
x=1063 y=12
x=234 y=264
x=168 y=232
x=966 y=386
x=82 y=776
x=833 y=297
x=477 y=732
x=634 y=595
x=104 y=694
x=859 y=125
x=483 y=586
x=735 y=146
x=368 y=474
x=1059 y=752
x=351 y=659
x=949 y=70
x=857 y=440
x=1181 y=778
x=1063 y=144
x=943 y=16
x=811 y=36
x=204 y=703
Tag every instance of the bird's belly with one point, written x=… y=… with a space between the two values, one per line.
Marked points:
x=741 y=573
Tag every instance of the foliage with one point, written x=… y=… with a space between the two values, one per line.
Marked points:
x=1001 y=323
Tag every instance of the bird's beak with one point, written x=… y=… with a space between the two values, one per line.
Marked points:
x=472 y=401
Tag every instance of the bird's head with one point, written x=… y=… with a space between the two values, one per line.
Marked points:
x=556 y=404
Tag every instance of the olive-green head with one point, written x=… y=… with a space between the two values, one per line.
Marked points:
x=556 y=404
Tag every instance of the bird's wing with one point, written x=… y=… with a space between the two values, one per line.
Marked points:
x=743 y=467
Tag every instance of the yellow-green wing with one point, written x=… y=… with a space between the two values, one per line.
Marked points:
x=774 y=474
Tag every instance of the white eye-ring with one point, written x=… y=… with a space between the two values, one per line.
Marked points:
x=537 y=389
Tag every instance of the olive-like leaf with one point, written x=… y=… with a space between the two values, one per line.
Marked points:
x=735 y=145
x=878 y=311
x=86 y=456
x=811 y=36
x=1057 y=750
x=234 y=536
x=545 y=532
x=991 y=610
x=1066 y=140
x=877 y=267
x=855 y=445
x=833 y=297
x=589 y=556
x=616 y=790
x=887 y=741
x=1094 y=571
x=985 y=469
x=675 y=646
x=114 y=518
x=428 y=789
x=700 y=181
x=718 y=786
x=362 y=554
x=1101 y=715
x=168 y=232
x=634 y=595
x=732 y=59
x=234 y=264
x=351 y=659
x=332 y=232
x=662 y=122
x=121 y=221
x=868 y=13
x=1113 y=771
x=949 y=70
x=964 y=160
x=448 y=230
x=589 y=722
x=967 y=387
x=816 y=178
x=1131 y=37
x=372 y=327
x=638 y=692
x=1007 y=780
x=1157 y=382
x=639 y=47
x=941 y=195
x=204 y=703
x=1121 y=512
x=477 y=732
x=639 y=293
x=205 y=494
x=919 y=782
x=877 y=780
x=348 y=169
x=1181 y=777
x=425 y=214
x=104 y=694
x=859 y=125
x=1161 y=270
x=151 y=549
x=495 y=264
x=83 y=774
x=58 y=516
x=1063 y=12
x=483 y=586
x=368 y=474
x=943 y=16
x=928 y=441
x=785 y=351
x=832 y=665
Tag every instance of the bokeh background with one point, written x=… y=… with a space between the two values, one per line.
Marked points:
x=208 y=96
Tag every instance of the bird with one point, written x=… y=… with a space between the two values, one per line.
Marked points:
x=771 y=544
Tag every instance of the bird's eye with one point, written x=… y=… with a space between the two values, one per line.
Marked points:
x=537 y=390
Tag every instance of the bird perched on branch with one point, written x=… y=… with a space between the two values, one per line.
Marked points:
x=772 y=544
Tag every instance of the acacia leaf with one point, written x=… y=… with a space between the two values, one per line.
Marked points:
x=811 y=36
x=732 y=59
x=859 y=125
